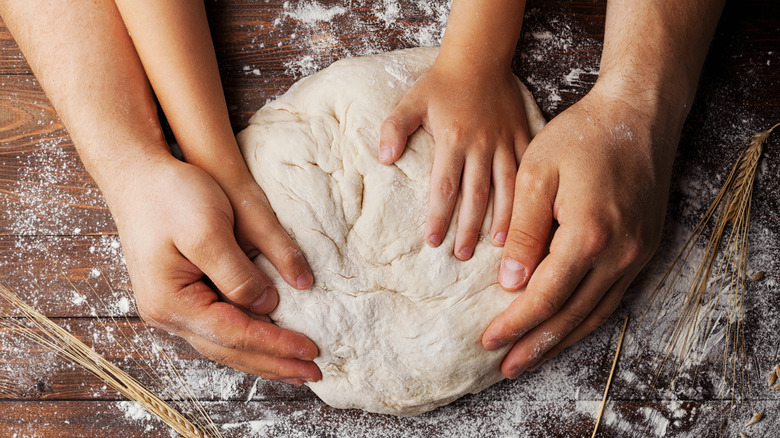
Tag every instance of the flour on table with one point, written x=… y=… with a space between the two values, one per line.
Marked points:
x=397 y=323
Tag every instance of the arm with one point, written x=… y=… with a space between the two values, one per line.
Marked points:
x=601 y=169
x=174 y=44
x=470 y=102
x=175 y=222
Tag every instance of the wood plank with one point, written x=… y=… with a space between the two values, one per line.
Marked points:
x=44 y=188
x=60 y=276
x=45 y=195
x=276 y=419
x=29 y=372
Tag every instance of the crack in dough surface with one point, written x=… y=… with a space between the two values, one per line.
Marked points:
x=397 y=323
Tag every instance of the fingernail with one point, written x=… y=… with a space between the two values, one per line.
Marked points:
x=500 y=237
x=310 y=380
x=304 y=280
x=466 y=252
x=296 y=382
x=260 y=306
x=516 y=372
x=512 y=274
x=434 y=240
x=385 y=154
x=495 y=344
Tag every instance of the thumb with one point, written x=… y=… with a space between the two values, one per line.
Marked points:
x=237 y=279
x=529 y=229
x=397 y=127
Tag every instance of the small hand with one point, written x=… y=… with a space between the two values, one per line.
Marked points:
x=176 y=226
x=478 y=124
x=601 y=169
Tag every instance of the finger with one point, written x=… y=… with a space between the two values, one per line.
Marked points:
x=529 y=229
x=532 y=347
x=240 y=281
x=265 y=365
x=599 y=316
x=397 y=127
x=445 y=179
x=550 y=287
x=476 y=189
x=268 y=236
x=504 y=173
x=522 y=139
x=202 y=314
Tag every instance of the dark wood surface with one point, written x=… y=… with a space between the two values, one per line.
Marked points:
x=60 y=252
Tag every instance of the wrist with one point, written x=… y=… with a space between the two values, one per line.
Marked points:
x=483 y=35
x=128 y=175
x=655 y=100
x=462 y=64
x=648 y=118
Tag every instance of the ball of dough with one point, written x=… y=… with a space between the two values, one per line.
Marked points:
x=397 y=323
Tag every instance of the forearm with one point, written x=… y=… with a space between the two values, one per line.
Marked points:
x=655 y=50
x=86 y=63
x=174 y=43
x=483 y=33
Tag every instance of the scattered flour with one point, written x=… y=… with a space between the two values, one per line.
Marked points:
x=312 y=12
x=553 y=64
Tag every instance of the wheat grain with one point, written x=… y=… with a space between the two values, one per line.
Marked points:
x=756 y=418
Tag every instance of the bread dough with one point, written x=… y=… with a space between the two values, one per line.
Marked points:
x=397 y=323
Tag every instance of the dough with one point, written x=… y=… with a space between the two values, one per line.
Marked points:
x=397 y=323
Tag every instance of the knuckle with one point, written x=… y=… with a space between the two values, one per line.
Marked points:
x=447 y=189
x=480 y=194
x=524 y=241
x=272 y=340
x=507 y=180
x=453 y=136
x=392 y=123
x=595 y=321
x=222 y=357
x=291 y=255
x=268 y=376
x=153 y=315
x=543 y=307
x=528 y=178
x=573 y=318
x=633 y=251
x=241 y=290
x=596 y=239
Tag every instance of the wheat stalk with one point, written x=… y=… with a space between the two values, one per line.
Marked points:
x=609 y=379
x=721 y=271
x=46 y=333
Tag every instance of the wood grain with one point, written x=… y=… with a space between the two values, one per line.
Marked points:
x=58 y=241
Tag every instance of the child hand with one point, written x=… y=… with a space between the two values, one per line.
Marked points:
x=177 y=226
x=476 y=117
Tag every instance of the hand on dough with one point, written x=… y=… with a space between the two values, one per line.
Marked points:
x=475 y=115
x=601 y=169
x=177 y=225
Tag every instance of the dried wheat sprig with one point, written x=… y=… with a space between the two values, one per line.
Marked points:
x=609 y=379
x=170 y=378
x=50 y=335
x=723 y=268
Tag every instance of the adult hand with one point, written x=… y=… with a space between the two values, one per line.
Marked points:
x=601 y=170
x=177 y=227
x=475 y=114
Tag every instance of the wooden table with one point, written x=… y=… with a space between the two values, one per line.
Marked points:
x=59 y=249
